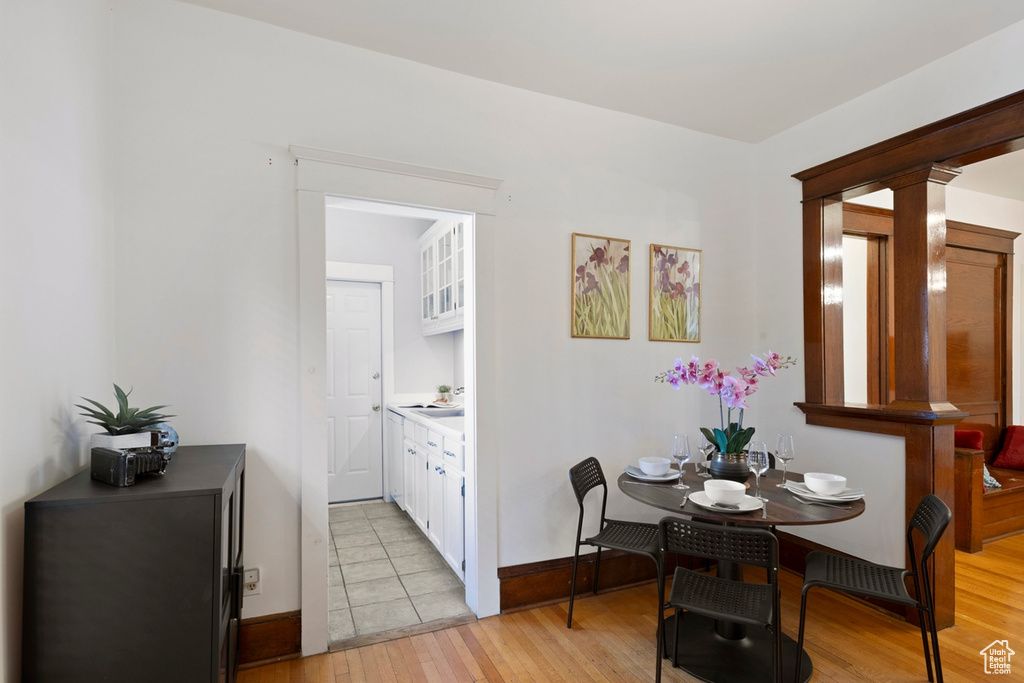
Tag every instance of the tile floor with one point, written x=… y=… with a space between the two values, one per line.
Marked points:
x=385 y=574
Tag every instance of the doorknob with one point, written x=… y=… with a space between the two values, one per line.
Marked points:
x=376 y=406
x=376 y=375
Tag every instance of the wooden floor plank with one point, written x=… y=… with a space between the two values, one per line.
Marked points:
x=612 y=639
x=412 y=661
x=480 y=656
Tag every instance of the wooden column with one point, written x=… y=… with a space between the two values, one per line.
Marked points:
x=919 y=241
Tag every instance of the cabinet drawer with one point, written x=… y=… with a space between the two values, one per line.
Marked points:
x=434 y=441
x=454 y=453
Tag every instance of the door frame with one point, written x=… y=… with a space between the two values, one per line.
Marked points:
x=385 y=277
x=321 y=173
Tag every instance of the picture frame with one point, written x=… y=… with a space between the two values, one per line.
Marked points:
x=675 y=302
x=600 y=287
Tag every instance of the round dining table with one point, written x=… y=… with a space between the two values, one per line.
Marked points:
x=719 y=650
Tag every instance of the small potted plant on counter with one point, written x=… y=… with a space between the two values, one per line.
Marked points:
x=128 y=428
x=444 y=393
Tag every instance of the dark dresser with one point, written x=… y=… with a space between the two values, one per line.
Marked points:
x=140 y=583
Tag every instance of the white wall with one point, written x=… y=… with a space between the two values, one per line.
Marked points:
x=56 y=266
x=206 y=106
x=855 y=319
x=202 y=108
x=421 y=363
x=978 y=73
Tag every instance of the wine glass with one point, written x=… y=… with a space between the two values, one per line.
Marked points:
x=757 y=461
x=706 y=449
x=784 y=453
x=681 y=454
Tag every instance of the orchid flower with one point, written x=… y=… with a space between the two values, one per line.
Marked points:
x=731 y=390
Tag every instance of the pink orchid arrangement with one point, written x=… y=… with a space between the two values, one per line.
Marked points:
x=731 y=390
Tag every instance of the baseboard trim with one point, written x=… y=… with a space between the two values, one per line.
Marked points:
x=538 y=583
x=270 y=638
x=528 y=585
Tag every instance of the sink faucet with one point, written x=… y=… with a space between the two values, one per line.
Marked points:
x=459 y=391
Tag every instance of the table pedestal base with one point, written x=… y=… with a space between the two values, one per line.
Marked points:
x=710 y=657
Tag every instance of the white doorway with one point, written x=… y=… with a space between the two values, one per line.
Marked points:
x=322 y=174
x=354 y=423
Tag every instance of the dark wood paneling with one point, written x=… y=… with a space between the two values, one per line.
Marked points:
x=529 y=585
x=271 y=637
x=980 y=133
x=969 y=491
x=541 y=582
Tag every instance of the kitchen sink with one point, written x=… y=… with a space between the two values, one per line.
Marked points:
x=440 y=412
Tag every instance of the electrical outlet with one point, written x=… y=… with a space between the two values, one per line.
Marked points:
x=251 y=582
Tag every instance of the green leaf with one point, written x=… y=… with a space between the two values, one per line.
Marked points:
x=103 y=409
x=122 y=399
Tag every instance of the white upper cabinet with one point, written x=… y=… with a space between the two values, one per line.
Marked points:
x=428 y=283
x=442 y=276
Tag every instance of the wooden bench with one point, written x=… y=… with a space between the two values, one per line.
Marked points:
x=983 y=514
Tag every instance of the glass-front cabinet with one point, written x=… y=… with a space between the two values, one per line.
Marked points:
x=428 y=283
x=442 y=271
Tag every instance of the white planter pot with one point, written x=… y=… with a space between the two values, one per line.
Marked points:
x=122 y=441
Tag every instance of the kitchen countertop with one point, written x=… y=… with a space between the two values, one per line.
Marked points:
x=454 y=427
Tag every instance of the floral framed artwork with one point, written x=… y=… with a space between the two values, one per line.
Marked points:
x=600 y=291
x=675 y=294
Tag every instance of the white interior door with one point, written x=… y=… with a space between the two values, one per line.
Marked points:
x=355 y=467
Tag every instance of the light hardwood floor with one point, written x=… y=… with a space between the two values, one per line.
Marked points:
x=612 y=638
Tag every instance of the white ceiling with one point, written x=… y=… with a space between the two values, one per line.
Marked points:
x=740 y=69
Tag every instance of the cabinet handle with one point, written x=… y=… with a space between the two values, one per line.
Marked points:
x=439 y=470
x=432 y=444
x=449 y=454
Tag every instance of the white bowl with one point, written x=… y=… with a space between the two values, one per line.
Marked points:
x=825 y=484
x=654 y=466
x=725 y=491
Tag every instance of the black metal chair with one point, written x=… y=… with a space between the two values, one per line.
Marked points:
x=755 y=604
x=872 y=580
x=631 y=537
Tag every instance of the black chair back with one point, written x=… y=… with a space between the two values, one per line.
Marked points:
x=740 y=545
x=585 y=476
x=931 y=518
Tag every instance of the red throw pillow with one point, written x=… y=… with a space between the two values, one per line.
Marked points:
x=968 y=438
x=1012 y=455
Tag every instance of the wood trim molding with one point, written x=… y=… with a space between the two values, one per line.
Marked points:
x=272 y=637
x=974 y=135
x=917 y=165
x=538 y=583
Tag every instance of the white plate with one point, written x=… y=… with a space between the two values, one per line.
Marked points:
x=637 y=473
x=748 y=504
x=798 y=488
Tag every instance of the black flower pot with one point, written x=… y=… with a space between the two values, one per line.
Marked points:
x=731 y=466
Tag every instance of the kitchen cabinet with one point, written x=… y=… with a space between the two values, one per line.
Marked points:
x=409 y=476
x=439 y=492
x=442 y=277
x=395 y=457
x=435 y=502
x=137 y=583
x=453 y=536
x=421 y=501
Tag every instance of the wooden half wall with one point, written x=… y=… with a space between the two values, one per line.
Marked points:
x=917 y=166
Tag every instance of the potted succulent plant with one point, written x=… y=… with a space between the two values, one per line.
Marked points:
x=128 y=428
x=444 y=393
